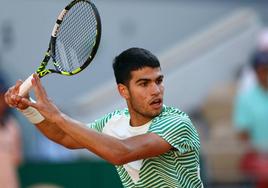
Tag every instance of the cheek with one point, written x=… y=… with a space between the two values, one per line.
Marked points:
x=140 y=97
x=162 y=88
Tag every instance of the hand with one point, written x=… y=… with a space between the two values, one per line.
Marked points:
x=43 y=104
x=13 y=99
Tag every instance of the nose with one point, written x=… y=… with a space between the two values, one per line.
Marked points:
x=155 y=89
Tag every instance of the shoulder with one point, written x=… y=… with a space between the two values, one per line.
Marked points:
x=100 y=123
x=172 y=114
x=171 y=119
x=116 y=113
x=175 y=126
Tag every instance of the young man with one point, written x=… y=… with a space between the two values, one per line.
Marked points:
x=152 y=145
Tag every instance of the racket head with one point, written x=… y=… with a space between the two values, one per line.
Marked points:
x=75 y=38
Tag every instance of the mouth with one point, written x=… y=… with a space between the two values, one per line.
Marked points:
x=156 y=103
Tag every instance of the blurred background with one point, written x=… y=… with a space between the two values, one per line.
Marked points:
x=205 y=48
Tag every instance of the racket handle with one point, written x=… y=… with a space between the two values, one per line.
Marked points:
x=26 y=86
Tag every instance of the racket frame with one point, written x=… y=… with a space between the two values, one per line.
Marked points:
x=41 y=70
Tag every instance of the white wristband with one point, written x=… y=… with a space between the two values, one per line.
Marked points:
x=32 y=114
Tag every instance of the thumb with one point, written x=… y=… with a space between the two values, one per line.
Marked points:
x=29 y=102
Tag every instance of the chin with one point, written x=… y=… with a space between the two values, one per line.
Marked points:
x=156 y=112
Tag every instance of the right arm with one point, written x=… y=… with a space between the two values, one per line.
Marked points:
x=50 y=130
x=73 y=134
x=55 y=134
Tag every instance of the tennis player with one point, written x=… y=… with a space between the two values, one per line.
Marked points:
x=151 y=145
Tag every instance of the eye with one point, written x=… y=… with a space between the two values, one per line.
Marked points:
x=143 y=84
x=159 y=81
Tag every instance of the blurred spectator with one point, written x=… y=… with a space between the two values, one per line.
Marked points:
x=251 y=121
x=10 y=147
x=247 y=75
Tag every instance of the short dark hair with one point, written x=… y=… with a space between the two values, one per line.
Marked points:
x=258 y=59
x=130 y=60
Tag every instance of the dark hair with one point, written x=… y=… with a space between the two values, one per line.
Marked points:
x=130 y=60
x=259 y=58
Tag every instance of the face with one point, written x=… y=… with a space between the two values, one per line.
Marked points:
x=144 y=94
x=262 y=74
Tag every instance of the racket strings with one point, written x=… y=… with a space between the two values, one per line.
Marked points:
x=74 y=57
x=76 y=37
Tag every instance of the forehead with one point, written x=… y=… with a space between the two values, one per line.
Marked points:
x=146 y=73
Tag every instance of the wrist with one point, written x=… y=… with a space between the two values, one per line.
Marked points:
x=33 y=115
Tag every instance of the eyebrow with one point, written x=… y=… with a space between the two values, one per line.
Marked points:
x=147 y=79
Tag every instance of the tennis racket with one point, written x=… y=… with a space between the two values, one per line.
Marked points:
x=73 y=44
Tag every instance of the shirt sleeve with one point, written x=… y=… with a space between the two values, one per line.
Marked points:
x=100 y=123
x=178 y=131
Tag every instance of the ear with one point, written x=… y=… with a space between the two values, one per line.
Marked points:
x=123 y=90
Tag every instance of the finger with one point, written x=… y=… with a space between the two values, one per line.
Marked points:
x=15 y=100
x=12 y=102
x=28 y=102
x=10 y=90
x=8 y=97
x=39 y=90
x=17 y=87
x=22 y=105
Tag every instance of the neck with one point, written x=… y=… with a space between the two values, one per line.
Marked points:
x=137 y=119
x=136 y=123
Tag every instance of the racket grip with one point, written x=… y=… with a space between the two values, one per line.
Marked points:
x=26 y=86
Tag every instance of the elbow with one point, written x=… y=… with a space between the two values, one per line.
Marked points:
x=71 y=144
x=123 y=155
x=65 y=143
x=68 y=146
x=118 y=160
x=111 y=157
x=119 y=157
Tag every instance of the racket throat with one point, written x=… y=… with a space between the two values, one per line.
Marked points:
x=43 y=73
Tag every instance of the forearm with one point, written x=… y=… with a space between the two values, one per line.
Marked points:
x=54 y=133
x=50 y=131
x=58 y=127
x=48 y=127
x=105 y=146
